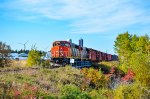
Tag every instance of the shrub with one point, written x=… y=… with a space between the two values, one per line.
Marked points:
x=73 y=92
x=101 y=94
x=132 y=91
x=93 y=78
x=129 y=76
x=34 y=58
x=46 y=63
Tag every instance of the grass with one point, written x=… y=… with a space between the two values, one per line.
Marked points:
x=47 y=80
x=63 y=82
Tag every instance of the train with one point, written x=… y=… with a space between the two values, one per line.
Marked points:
x=66 y=52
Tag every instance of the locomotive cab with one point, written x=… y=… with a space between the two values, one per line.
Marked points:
x=60 y=49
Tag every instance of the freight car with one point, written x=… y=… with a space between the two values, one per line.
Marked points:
x=66 y=52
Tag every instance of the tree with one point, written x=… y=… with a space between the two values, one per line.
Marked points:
x=34 y=58
x=4 y=54
x=123 y=47
x=133 y=43
x=134 y=53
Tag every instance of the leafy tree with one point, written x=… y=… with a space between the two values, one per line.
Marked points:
x=123 y=48
x=33 y=58
x=134 y=53
x=142 y=44
x=4 y=54
x=133 y=43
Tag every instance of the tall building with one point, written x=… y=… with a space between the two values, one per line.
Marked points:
x=81 y=42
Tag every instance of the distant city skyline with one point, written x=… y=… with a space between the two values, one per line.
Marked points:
x=97 y=22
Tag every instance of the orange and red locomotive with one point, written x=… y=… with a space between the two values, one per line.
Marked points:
x=63 y=51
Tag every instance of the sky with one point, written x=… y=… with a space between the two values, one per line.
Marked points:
x=98 y=22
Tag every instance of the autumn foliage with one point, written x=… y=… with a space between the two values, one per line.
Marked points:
x=93 y=78
x=129 y=76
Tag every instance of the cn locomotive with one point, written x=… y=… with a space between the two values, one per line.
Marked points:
x=66 y=52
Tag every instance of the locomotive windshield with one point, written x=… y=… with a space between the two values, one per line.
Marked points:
x=60 y=43
x=56 y=44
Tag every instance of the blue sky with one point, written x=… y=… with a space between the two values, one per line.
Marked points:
x=98 y=22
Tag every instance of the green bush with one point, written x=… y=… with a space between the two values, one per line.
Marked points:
x=133 y=91
x=73 y=92
x=46 y=63
x=34 y=58
x=101 y=94
x=93 y=78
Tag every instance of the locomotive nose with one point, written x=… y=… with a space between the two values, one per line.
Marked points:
x=59 y=51
x=55 y=51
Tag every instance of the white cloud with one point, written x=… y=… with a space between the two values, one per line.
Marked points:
x=85 y=16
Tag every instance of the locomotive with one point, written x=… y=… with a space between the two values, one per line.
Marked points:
x=66 y=52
